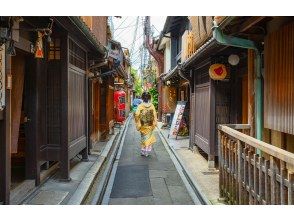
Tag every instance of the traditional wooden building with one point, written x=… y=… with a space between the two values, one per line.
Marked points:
x=244 y=119
x=175 y=85
x=45 y=118
x=270 y=144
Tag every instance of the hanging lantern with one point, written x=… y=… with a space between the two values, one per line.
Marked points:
x=217 y=71
x=39 y=53
x=233 y=59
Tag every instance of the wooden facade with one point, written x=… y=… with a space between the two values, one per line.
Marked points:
x=214 y=102
x=47 y=106
x=279 y=80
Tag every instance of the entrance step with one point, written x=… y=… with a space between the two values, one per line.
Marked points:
x=18 y=194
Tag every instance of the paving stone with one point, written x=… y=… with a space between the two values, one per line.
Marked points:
x=63 y=186
x=173 y=179
x=162 y=166
x=122 y=201
x=179 y=195
x=49 y=198
x=160 y=192
x=145 y=200
x=157 y=173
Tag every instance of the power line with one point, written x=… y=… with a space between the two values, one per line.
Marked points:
x=121 y=32
x=129 y=25
x=122 y=22
x=135 y=35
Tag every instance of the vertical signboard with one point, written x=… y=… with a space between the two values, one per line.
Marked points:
x=177 y=119
x=2 y=77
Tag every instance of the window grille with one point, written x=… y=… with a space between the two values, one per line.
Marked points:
x=77 y=56
x=54 y=49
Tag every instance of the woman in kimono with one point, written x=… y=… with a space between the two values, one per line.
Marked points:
x=146 y=121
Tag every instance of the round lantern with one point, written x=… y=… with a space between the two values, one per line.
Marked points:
x=217 y=71
x=233 y=59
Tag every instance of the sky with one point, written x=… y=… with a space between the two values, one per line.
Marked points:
x=124 y=31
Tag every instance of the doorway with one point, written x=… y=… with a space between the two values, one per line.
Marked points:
x=22 y=158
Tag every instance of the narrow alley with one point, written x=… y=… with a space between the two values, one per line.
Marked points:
x=141 y=180
x=83 y=98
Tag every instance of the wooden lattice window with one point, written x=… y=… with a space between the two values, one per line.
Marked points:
x=54 y=49
x=77 y=56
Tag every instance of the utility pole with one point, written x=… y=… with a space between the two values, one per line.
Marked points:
x=158 y=56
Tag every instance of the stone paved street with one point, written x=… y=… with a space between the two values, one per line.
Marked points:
x=141 y=181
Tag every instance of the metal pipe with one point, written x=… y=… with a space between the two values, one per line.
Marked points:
x=247 y=44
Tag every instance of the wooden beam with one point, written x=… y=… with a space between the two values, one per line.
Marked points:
x=250 y=22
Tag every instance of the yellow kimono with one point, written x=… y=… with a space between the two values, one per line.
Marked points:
x=146 y=121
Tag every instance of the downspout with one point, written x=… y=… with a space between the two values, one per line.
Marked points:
x=247 y=44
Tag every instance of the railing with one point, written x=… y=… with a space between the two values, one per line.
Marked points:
x=252 y=171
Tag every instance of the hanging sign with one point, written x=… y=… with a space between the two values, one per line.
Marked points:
x=2 y=77
x=39 y=53
x=175 y=126
x=217 y=71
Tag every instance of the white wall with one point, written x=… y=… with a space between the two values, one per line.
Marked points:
x=167 y=56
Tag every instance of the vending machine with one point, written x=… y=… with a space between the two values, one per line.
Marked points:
x=120 y=106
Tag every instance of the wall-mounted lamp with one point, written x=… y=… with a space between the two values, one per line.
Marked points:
x=233 y=59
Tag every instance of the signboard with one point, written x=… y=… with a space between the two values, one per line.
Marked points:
x=217 y=71
x=175 y=126
x=2 y=77
x=169 y=99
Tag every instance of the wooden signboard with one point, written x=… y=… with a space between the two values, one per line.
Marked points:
x=175 y=126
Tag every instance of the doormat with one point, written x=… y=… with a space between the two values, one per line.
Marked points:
x=131 y=181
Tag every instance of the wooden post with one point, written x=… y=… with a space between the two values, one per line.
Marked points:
x=267 y=182
x=255 y=179
x=235 y=175
x=273 y=168
x=212 y=136
x=290 y=189
x=250 y=179
x=64 y=157
x=220 y=156
x=246 y=199
x=240 y=172
x=85 y=155
x=251 y=92
x=5 y=142
x=283 y=191
x=261 y=180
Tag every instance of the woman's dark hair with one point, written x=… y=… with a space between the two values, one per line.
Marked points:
x=146 y=96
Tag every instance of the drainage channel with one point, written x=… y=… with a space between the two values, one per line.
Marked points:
x=191 y=187
x=100 y=192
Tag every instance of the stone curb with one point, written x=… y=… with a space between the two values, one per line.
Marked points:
x=84 y=187
x=200 y=191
